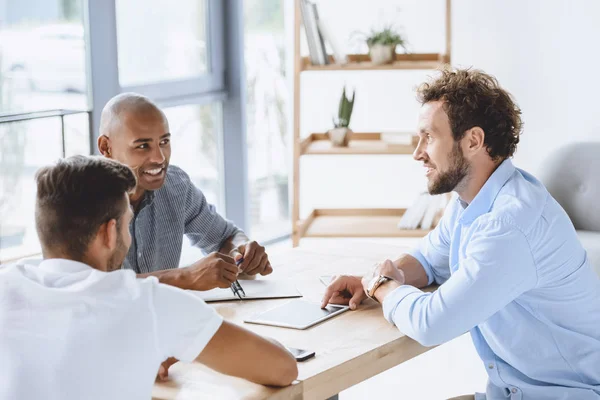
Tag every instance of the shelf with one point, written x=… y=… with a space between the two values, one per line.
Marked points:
x=360 y=143
x=362 y=62
x=361 y=222
x=354 y=222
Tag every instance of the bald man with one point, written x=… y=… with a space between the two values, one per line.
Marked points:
x=167 y=205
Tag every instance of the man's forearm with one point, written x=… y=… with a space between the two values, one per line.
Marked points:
x=233 y=242
x=173 y=277
x=414 y=273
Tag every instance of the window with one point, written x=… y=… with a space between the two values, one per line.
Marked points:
x=42 y=56
x=195 y=146
x=42 y=67
x=161 y=42
x=267 y=118
x=24 y=148
x=173 y=55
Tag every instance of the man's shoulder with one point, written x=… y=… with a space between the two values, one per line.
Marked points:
x=177 y=182
x=176 y=176
x=520 y=203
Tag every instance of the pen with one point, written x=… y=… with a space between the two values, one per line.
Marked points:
x=236 y=288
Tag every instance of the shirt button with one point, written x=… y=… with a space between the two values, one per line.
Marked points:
x=140 y=254
x=491 y=366
x=514 y=390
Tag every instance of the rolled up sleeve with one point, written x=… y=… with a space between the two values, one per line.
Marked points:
x=204 y=226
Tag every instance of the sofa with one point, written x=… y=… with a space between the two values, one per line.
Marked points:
x=572 y=176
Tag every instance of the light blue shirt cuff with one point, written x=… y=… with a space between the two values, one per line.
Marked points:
x=416 y=253
x=393 y=299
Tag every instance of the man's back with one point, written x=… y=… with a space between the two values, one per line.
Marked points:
x=555 y=323
x=68 y=331
x=515 y=275
x=549 y=334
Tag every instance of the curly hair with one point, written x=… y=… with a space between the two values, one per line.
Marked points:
x=473 y=98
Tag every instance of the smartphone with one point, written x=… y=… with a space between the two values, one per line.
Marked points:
x=301 y=355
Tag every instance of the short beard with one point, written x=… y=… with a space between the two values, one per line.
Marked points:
x=116 y=260
x=454 y=176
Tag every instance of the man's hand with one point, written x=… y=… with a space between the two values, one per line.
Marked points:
x=214 y=270
x=344 y=289
x=386 y=268
x=255 y=259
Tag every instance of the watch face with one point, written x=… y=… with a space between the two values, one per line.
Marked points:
x=373 y=282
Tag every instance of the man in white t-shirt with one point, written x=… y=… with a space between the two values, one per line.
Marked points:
x=79 y=327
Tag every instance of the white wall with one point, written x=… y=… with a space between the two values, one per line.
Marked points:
x=544 y=52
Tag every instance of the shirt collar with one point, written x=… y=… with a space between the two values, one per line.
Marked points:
x=483 y=201
x=147 y=200
x=63 y=265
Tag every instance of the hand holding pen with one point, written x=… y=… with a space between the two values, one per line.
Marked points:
x=236 y=288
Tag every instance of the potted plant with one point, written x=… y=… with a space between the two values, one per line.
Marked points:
x=340 y=135
x=382 y=44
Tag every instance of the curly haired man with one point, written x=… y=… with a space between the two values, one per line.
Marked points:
x=511 y=269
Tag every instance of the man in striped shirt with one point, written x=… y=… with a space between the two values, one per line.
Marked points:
x=167 y=205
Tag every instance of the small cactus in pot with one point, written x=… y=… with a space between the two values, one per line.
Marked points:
x=340 y=135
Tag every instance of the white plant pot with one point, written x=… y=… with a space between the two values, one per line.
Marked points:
x=382 y=53
x=340 y=137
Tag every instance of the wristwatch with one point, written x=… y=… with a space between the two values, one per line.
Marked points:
x=374 y=285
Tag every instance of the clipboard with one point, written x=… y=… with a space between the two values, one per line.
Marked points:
x=258 y=289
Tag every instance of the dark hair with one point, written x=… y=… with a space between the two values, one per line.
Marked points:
x=473 y=98
x=75 y=197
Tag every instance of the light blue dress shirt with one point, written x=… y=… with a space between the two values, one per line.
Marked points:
x=513 y=274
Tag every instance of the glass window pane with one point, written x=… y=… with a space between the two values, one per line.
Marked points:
x=195 y=136
x=24 y=148
x=267 y=130
x=195 y=148
x=158 y=41
x=77 y=135
x=42 y=55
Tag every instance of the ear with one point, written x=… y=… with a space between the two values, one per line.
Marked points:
x=474 y=140
x=104 y=145
x=109 y=235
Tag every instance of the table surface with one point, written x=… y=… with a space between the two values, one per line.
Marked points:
x=350 y=348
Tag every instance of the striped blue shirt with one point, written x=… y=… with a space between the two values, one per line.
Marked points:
x=178 y=208
x=514 y=274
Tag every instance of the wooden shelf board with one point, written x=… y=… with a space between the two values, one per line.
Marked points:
x=358 y=62
x=364 y=222
x=360 y=143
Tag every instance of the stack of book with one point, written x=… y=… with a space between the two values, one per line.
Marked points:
x=317 y=33
x=421 y=214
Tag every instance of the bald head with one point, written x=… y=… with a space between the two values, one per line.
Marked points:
x=124 y=105
x=134 y=131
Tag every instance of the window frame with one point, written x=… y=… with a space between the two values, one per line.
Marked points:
x=224 y=82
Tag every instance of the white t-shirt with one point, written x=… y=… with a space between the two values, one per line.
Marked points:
x=68 y=331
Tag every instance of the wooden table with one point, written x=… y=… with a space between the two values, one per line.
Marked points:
x=350 y=348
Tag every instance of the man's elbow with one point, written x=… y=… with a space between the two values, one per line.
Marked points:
x=286 y=373
x=428 y=336
x=426 y=340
